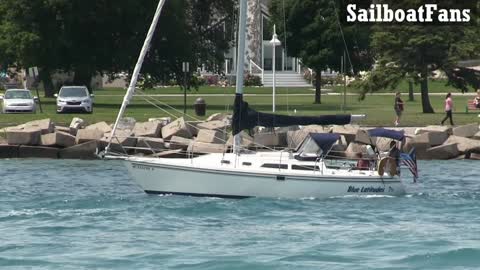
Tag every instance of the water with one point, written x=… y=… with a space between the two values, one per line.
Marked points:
x=90 y=215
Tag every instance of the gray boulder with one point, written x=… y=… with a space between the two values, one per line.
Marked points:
x=349 y=131
x=464 y=145
x=211 y=136
x=363 y=137
x=85 y=135
x=296 y=137
x=443 y=152
x=120 y=142
x=466 y=131
x=148 y=129
x=63 y=129
x=203 y=148
x=75 y=125
x=85 y=150
x=176 y=128
x=382 y=144
x=426 y=129
x=102 y=126
x=218 y=117
x=126 y=123
x=58 y=139
x=23 y=135
x=247 y=140
x=354 y=148
x=179 y=143
x=148 y=144
x=477 y=136
x=46 y=125
x=220 y=125
x=270 y=139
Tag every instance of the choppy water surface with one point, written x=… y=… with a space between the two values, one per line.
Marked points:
x=90 y=215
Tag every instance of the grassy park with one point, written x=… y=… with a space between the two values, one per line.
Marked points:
x=377 y=107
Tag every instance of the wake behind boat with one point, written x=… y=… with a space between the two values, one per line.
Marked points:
x=241 y=173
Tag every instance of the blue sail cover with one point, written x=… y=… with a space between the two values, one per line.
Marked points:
x=325 y=140
x=387 y=133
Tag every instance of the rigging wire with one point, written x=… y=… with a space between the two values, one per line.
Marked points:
x=151 y=100
x=343 y=36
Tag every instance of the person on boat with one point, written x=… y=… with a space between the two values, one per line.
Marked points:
x=394 y=156
x=398 y=107
x=476 y=100
x=448 y=109
x=362 y=163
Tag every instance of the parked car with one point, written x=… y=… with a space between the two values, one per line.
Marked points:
x=18 y=101
x=74 y=99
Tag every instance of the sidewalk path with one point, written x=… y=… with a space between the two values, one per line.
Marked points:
x=293 y=95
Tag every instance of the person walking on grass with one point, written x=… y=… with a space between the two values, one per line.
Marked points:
x=448 y=109
x=398 y=107
x=476 y=100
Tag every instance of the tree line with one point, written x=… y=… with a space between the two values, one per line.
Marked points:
x=391 y=53
x=89 y=37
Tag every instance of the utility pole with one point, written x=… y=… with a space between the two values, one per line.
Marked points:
x=343 y=71
x=33 y=72
x=410 y=91
x=344 y=80
x=274 y=42
x=185 y=69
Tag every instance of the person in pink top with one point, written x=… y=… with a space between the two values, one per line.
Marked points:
x=448 y=109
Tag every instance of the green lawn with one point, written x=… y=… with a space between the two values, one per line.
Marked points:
x=379 y=109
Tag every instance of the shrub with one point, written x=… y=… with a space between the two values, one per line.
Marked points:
x=197 y=81
x=211 y=80
x=252 y=80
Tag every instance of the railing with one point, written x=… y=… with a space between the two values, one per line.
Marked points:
x=256 y=66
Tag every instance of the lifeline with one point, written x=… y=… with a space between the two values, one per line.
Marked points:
x=425 y=13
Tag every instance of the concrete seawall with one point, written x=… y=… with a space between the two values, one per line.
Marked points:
x=162 y=137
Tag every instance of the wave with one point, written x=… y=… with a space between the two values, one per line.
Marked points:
x=461 y=257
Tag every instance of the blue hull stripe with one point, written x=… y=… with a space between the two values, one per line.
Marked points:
x=195 y=194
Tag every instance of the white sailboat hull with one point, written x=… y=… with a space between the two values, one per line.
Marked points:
x=228 y=182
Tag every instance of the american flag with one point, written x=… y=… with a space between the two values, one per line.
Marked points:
x=410 y=161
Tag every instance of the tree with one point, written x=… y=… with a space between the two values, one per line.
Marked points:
x=314 y=34
x=416 y=51
x=189 y=31
x=63 y=35
x=105 y=36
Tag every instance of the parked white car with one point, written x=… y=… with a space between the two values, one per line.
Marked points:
x=18 y=101
x=74 y=98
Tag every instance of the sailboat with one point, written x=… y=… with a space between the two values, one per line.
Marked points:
x=304 y=173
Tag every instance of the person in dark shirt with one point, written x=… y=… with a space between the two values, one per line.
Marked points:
x=398 y=107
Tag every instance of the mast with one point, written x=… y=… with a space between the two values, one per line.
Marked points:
x=242 y=21
x=136 y=71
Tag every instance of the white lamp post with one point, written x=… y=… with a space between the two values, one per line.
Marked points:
x=274 y=42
